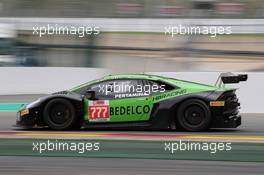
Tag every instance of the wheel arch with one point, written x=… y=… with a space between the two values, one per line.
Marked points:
x=175 y=107
x=77 y=103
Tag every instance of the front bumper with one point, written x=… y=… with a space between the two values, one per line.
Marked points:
x=24 y=120
x=27 y=119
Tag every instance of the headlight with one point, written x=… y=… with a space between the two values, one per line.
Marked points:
x=30 y=105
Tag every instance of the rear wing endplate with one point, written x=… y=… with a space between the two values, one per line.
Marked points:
x=230 y=78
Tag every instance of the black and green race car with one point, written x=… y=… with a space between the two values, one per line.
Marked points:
x=138 y=101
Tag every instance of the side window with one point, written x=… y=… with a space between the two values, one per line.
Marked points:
x=103 y=90
x=156 y=87
x=128 y=89
x=116 y=89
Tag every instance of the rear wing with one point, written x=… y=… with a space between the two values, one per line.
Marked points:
x=230 y=78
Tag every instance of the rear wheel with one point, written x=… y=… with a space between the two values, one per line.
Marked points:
x=59 y=114
x=193 y=115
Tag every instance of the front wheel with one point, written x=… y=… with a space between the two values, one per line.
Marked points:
x=59 y=114
x=193 y=115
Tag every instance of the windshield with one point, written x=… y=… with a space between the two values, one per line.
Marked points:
x=81 y=89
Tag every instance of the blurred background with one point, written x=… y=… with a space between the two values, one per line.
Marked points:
x=132 y=35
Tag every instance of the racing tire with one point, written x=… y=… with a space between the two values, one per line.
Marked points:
x=59 y=114
x=193 y=115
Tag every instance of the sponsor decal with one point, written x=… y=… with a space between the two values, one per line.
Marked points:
x=130 y=95
x=24 y=112
x=217 y=103
x=98 y=110
x=129 y=110
x=171 y=94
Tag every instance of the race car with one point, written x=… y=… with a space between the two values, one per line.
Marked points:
x=138 y=101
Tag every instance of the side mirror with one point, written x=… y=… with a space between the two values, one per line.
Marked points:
x=90 y=94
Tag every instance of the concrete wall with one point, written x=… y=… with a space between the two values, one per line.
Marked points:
x=38 y=80
x=41 y=80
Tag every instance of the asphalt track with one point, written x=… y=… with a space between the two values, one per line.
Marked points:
x=94 y=166
x=252 y=125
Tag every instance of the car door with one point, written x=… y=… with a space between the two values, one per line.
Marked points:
x=119 y=101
